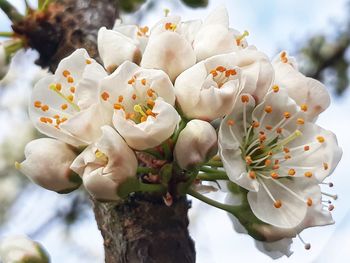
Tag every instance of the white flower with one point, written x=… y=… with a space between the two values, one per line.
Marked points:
x=208 y=89
x=105 y=165
x=307 y=92
x=197 y=142
x=21 y=249
x=4 y=65
x=269 y=239
x=215 y=37
x=272 y=151
x=66 y=106
x=123 y=43
x=47 y=164
x=169 y=47
x=141 y=101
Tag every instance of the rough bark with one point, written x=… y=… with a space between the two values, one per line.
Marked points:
x=145 y=230
x=142 y=229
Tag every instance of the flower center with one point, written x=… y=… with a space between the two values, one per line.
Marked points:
x=221 y=75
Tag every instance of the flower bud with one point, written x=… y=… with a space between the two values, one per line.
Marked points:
x=105 y=165
x=22 y=249
x=197 y=142
x=47 y=164
x=4 y=65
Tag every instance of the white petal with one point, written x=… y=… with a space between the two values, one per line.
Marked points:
x=86 y=124
x=153 y=131
x=293 y=209
x=115 y=48
x=189 y=29
x=169 y=52
x=276 y=249
x=321 y=159
x=200 y=96
x=196 y=143
x=47 y=164
x=218 y=16
x=302 y=89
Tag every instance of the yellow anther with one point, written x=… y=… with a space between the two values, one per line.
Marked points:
x=118 y=106
x=64 y=106
x=245 y=98
x=138 y=108
x=170 y=26
x=268 y=162
x=248 y=160
x=70 y=79
x=303 y=107
x=70 y=97
x=17 y=165
x=252 y=174
x=105 y=96
x=308 y=174
x=37 y=104
x=255 y=124
x=150 y=103
x=58 y=86
x=320 y=139
x=275 y=88
x=283 y=57
x=287 y=114
x=88 y=61
x=309 y=202
x=268 y=109
x=102 y=156
x=230 y=122
x=66 y=73
x=221 y=69
x=325 y=166
x=241 y=37
x=291 y=172
x=214 y=72
x=300 y=121
x=277 y=204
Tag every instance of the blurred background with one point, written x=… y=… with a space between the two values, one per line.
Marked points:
x=317 y=32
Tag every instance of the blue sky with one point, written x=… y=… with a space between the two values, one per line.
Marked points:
x=273 y=25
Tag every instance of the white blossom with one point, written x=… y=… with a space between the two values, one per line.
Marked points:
x=197 y=142
x=209 y=89
x=275 y=153
x=141 y=102
x=21 y=249
x=66 y=105
x=47 y=164
x=105 y=165
x=307 y=92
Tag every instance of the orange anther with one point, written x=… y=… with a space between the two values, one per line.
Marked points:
x=64 y=106
x=308 y=174
x=150 y=102
x=279 y=130
x=300 y=121
x=325 y=166
x=268 y=127
x=70 y=79
x=255 y=124
x=44 y=108
x=277 y=204
x=309 y=202
x=230 y=122
x=320 y=139
x=303 y=107
x=274 y=175
x=275 y=88
x=66 y=73
x=268 y=109
x=252 y=174
x=120 y=99
x=72 y=89
x=70 y=97
x=37 y=104
x=118 y=106
x=306 y=148
x=291 y=172
x=58 y=86
x=268 y=162
x=88 y=61
x=143 y=82
x=105 y=95
x=221 y=69
x=287 y=114
x=134 y=96
x=245 y=98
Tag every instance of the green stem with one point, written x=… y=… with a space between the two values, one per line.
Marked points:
x=40 y=4
x=212 y=177
x=6 y=34
x=212 y=170
x=154 y=153
x=228 y=208
x=10 y=11
x=182 y=125
x=145 y=170
x=45 y=5
x=151 y=188
x=166 y=149
x=214 y=163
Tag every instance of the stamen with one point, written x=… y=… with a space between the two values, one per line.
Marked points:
x=118 y=106
x=268 y=109
x=69 y=98
x=37 y=104
x=308 y=174
x=320 y=139
x=309 y=202
x=105 y=96
x=120 y=99
x=138 y=108
x=307 y=246
x=303 y=107
x=335 y=197
x=88 y=61
x=66 y=73
x=275 y=88
x=241 y=37
x=44 y=108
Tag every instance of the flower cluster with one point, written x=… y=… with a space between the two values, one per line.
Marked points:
x=179 y=104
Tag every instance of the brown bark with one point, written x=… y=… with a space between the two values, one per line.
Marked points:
x=145 y=230
x=142 y=229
